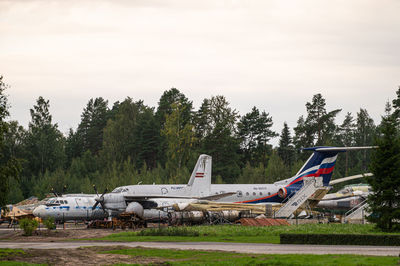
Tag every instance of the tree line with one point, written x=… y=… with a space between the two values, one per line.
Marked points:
x=130 y=142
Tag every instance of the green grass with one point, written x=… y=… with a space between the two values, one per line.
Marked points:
x=16 y=263
x=193 y=257
x=236 y=233
x=8 y=252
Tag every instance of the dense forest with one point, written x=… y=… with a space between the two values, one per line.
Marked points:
x=128 y=142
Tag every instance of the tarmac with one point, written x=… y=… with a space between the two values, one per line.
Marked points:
x=231 y=247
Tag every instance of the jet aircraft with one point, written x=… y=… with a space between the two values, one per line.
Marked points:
x=321 y=163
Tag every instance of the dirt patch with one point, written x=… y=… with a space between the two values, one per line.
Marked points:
x=81 y=256
x=56 y=235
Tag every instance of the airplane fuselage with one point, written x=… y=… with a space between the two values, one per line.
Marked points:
x=68 y=208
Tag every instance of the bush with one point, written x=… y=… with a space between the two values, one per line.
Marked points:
x=28 y=225
x=49 y=223
x=340 y=239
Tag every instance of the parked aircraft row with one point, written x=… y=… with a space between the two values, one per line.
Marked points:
x=141 y=199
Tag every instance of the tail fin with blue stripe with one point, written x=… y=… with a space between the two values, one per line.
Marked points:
x=321 y=163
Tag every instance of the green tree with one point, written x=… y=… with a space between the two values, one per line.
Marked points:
x=276 y=169
x=319 y=126
x=130 y=134
x=345 y=136
x=396 y=105
x=173 y=96
x=9 y=165
x=252 y=175
x=254 y=131
x=286 y=149
x=180 y=141
x=216 y=134
x=384 y=202
x=364 y=136
x=89 y=134
x=170 y=97
x=321 y=121
x=44 y=142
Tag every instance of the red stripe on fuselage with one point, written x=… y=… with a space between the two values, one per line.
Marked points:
x=249 y=201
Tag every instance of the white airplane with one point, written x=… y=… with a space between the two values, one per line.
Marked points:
x=136 y=198
x=70 y=207
x=86 y=207
x=320 y=164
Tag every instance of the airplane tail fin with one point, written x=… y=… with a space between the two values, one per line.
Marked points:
x=320 y=163
x=200 y=181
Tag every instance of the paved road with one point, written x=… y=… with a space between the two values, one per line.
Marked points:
x=235 y=247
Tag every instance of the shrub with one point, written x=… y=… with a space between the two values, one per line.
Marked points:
x=340 y=239
x=49 y=223
x=28 y=225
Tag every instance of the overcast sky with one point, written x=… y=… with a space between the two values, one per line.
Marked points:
x=274 y=55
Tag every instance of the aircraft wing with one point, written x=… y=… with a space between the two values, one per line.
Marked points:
x=340 y=180
x=149 y=197
x=217 y=196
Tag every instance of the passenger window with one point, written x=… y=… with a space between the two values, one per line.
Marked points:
x=260 y=193
x=66 y=202
x=239 y=193
x=269 y=193
x=254 y=193
x=57 y=202
x=247 y=193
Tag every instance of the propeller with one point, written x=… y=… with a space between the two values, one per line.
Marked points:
x=99 y=199
x=54 y=192
x=59 y=194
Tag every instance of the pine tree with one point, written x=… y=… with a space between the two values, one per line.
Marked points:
x=384 y=202
x=286 y=149
x=345 y=137
x=44 y=142
x=254 y=131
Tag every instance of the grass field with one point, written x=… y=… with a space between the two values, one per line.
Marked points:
x=140 y=256
x=191 y=257
x=236 y=233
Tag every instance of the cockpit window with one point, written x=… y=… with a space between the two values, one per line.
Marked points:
x=66 y=202
x=117 y=190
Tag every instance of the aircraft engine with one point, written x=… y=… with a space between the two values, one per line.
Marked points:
x=135 y=207
x=284 y=192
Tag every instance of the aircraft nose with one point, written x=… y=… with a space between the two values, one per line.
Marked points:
x=38 y=211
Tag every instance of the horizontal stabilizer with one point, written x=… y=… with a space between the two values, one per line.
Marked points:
x=339 y=149
x=340 y=180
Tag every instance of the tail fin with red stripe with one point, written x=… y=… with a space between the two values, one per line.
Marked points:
x=200 y=181
x=321 y=163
